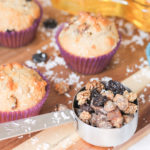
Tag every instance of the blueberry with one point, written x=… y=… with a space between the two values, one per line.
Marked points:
x=9 y=31
x=86 y=107
x=50 y=23
x=39 y=57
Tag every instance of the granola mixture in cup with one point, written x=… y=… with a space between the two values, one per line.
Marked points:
x=105 y=104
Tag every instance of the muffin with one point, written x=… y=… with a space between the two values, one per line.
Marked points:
x=23 y=91
x=88 y=43
x=105 y=104
x=19 y=24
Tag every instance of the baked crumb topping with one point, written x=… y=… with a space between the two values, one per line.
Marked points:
x=89 y=35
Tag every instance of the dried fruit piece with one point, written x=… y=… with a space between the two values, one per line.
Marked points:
x=82 y=97
x=132 y=108
x=100 y=120
x=121 y=102
x=86 y=107
x=109 y=94
x=85 y=116
x=130 y=96
x=109 y=106
x=99 y=109
x=99 y=100
x=104 y=124
x=61 y=87
x=97 y=118
x=95 y=93
x=117 y=122
x=115 y=87
x=116 y=118
x=127 y=118
x=94 y=85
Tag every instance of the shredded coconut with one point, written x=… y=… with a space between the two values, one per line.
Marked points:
x=34 y=140
x=67 y=95
x=106 y=79
x=142 y=97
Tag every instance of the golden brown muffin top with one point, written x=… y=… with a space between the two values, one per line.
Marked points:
x=18 y=14
x=88 y=35
x=20 y=87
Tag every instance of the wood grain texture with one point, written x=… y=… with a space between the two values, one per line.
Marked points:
x=125 y=56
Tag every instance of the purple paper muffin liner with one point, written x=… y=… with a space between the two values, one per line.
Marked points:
x=17 y=39
x=33 y=111
x=83 y=65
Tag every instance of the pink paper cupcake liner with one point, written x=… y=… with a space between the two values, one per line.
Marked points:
x=83 y=65
x=15 y=115
x=17 y=39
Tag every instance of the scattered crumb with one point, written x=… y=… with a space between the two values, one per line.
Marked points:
x=61 y=107
x=61 y=87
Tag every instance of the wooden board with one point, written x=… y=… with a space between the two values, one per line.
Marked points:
x=121 y=66
x=68 y=137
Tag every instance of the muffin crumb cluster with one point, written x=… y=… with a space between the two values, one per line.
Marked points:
x=61 y=87
x=106 y=104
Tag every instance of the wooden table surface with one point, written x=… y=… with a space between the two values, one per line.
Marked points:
x=129 y=58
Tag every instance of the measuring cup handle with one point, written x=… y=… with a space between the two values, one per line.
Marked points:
x=138 y=80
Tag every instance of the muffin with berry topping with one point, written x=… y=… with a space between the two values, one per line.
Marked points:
x=23 y=91
x=19 y=24
x=88 y=42
x=105 y=104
